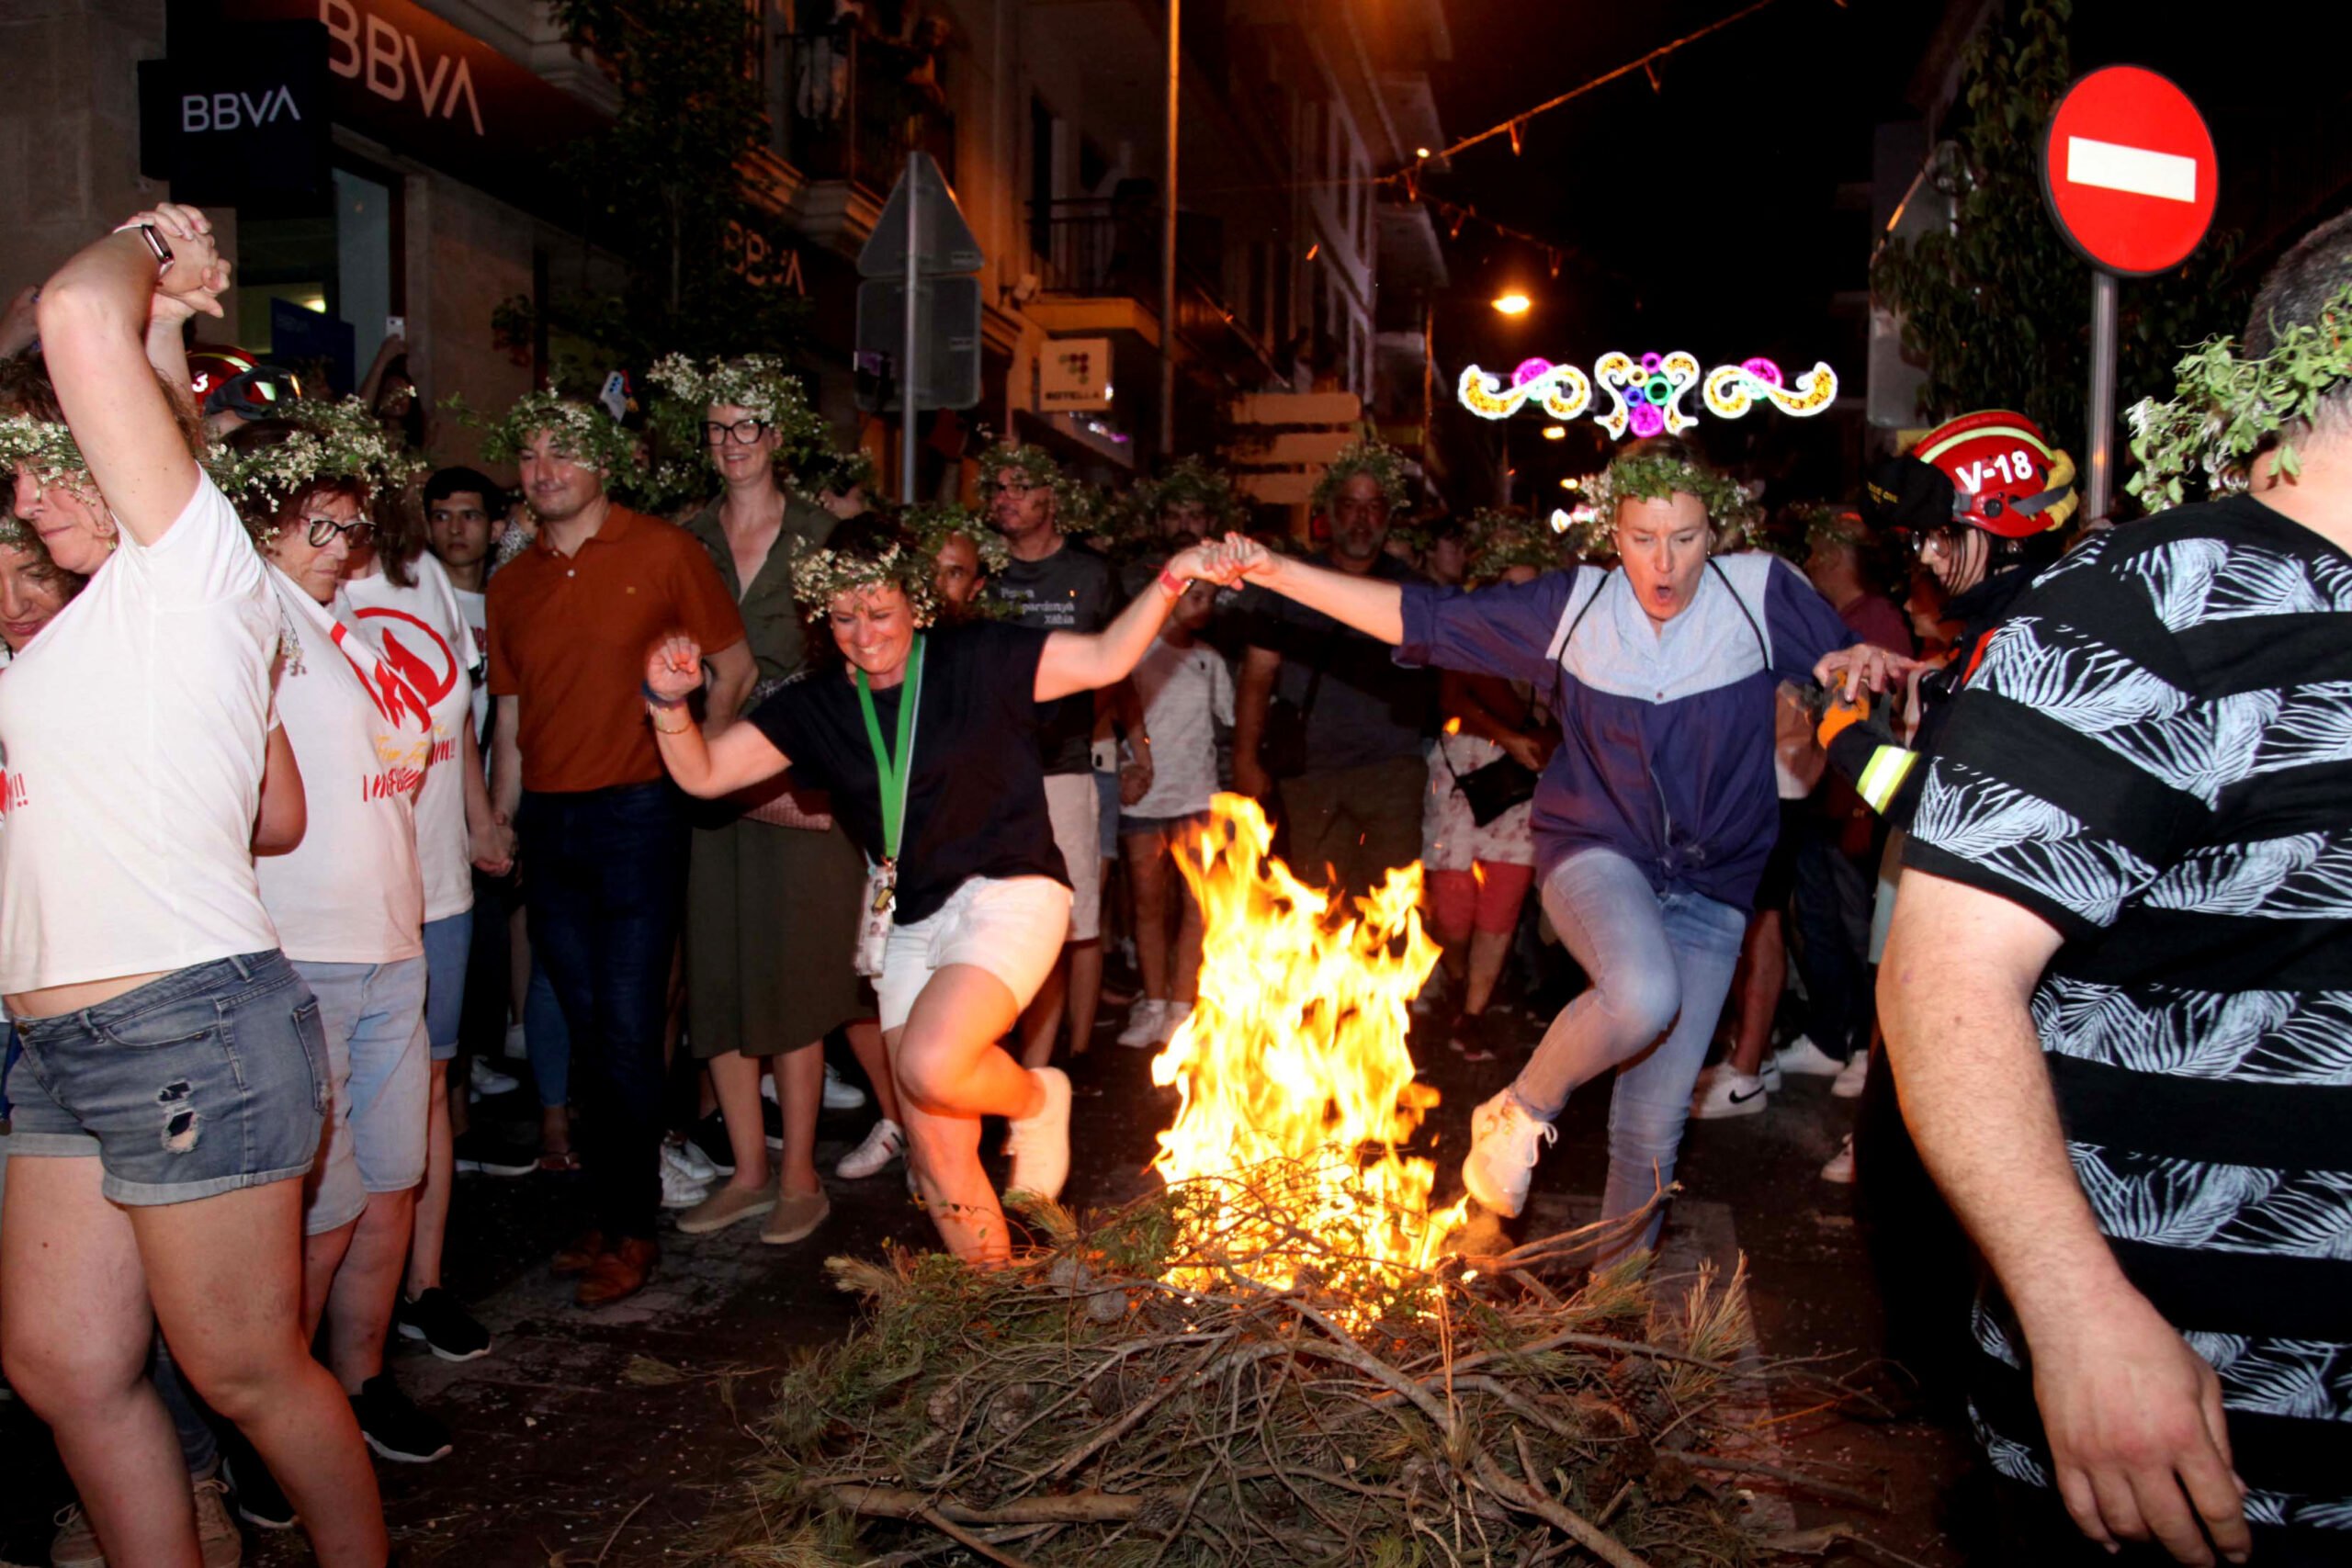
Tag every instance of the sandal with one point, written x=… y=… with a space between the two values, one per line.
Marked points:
x=558 y=1162
x=1469 y=1038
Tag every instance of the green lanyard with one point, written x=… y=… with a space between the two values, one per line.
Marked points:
x=893 y=777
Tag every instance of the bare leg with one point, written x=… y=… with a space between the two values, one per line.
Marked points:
x=866 y=1039
x=224 y=1274
x=1085 y=992
x=1043 y=1019
x=73 y=1333
x=799 y=1092
x=433 y=1197
x=951 y=1073
x=1184 y=982
x=1763 y=971
x=735 y=1079
x=1147 y=876
x=1487 y=951
x=359 y=1306
x=322 y=1256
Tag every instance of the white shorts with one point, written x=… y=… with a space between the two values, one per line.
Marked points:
x=1076 y=808
x=1012 y=927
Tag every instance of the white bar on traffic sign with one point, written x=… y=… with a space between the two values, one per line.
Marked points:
x=2110 y=166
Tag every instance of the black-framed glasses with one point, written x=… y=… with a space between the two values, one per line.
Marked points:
x=323 y=530
x=743 y=432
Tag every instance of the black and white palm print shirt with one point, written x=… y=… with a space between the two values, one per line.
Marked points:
x=2156 y=756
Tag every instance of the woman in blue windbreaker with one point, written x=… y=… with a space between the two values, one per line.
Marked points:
x=1654 y=817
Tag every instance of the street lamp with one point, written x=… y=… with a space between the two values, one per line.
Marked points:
x=1513 y=304
x=1554 y=433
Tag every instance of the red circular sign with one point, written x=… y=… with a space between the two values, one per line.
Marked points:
x=2130 y=172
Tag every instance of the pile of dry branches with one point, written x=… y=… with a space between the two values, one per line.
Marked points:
x=1082 y=1406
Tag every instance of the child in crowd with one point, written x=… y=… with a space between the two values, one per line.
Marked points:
x=1186 y=692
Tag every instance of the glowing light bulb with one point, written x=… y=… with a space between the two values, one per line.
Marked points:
x=1554 y=432
x=1513 y=304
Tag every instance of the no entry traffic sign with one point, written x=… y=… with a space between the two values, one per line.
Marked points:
x=2128 y=170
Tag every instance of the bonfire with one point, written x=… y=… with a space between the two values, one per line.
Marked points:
x=1289 y=1353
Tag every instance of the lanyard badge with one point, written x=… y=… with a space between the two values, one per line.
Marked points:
x=893 y=767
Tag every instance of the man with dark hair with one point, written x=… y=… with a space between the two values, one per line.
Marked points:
x=2117 y=990
x=603 y=833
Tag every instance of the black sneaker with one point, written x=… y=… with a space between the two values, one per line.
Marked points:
x=478 y=1151
x=259 y=1502
x=771 y=1122
x=447 y=1329
x=709 y=1135
x=394 y=1427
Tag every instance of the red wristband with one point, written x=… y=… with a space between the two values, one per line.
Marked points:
x=1172 y=584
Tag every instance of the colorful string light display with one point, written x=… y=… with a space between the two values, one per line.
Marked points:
x=1646 y=394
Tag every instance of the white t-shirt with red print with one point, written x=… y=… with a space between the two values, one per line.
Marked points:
x=135 y=727
x=352 y=892
x=475 y=608
x=423 y=632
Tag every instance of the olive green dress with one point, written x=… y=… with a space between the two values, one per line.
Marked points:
x=771 y=911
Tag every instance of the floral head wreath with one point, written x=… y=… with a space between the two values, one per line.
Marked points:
x=762 y=385
x=934 y=524
x=1655 y=476
x=593 y=437
x=337 y=440
x=829 y=472
x=1077 y=510
x=1498 y=540
x=1192 y=482
x=1364 y=455
x=2226 y=410
x=821 y=575
x=43 y=445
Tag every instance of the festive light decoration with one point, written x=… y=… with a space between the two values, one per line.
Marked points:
x=1646 y=394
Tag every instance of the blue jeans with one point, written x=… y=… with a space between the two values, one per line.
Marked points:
x=448 y=945
x=1661 y=966
x=607 y=871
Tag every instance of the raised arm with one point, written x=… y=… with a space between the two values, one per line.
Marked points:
x=94 y=318
x=1370 y=605
x=736 y=757
x=1079 y=661
x=2133 y=1415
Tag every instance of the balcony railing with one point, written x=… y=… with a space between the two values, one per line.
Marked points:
x=848 y=106
x=1109 y=245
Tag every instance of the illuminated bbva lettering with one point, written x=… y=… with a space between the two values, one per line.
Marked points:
x=388 y=61
x=235 y=111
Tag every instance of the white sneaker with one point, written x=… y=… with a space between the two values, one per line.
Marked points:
x=678 y=1190
x=1175 y=1016
x=840 y=1094
x=1145 y=1022
x=1805 y=1058
x=689 y=1161
x=1847 y=1084
x=1039 y=1144
x=488 y=1079
x=1505 y=1141
x=885 y=1143
x=1840 y=1168
x=1725 y=1091
x=1773 y=1082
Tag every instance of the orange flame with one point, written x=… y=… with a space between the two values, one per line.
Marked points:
x=1295 y=1054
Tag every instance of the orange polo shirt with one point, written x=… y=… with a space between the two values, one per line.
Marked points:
x=568 y=640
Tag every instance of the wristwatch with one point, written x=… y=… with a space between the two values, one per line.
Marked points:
x=154 y=243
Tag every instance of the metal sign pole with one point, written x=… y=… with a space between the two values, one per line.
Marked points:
x=2099 y=483
x=910 y=356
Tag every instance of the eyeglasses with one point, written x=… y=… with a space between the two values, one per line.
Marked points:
x=1937 y=540
x=323 y=530
x=743 y=432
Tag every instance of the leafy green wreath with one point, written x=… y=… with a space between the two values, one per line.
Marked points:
x=341 y=439
x=584 y=432
x=935 y=522
x=2227 y=410
x=1366 y=455
x=762 y=385
x=1078 y=510
x=1655 y=475
x=43 y=445
x=1498 y=540
x=820 y=575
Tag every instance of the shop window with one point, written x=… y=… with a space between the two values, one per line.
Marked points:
x=315 y=290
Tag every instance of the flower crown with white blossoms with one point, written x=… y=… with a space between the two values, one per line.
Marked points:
x=935 y=522
x=1498 y=540
x=1366 y=455
x=582 y=431
x=821 y=575
x=2227 y=410
x=335 y=440
x=762 y=385
x=1657 y=476
x=1077 y=509
x=43 y=445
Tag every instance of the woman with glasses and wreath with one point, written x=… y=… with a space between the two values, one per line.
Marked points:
x=926 y=742
x=1654 y=816
x=173 y=1074
x=772 y=883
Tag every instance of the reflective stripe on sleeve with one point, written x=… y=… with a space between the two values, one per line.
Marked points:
x=1883 y=774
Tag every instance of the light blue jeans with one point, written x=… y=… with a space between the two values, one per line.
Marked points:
x=1660 y=968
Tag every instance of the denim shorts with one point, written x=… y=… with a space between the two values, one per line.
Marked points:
x=210 y=1079
x=379 y=1072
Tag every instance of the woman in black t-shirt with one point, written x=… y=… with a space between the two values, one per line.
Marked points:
x=968 y=898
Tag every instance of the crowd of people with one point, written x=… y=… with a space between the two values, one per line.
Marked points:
x=338 y=792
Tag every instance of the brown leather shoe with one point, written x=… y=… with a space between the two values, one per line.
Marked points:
x=618 y=1274
x=578 y=1255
